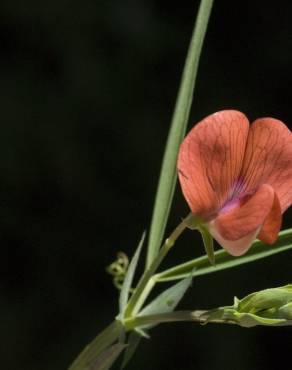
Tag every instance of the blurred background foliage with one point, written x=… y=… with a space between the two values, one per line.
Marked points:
x=87 y=91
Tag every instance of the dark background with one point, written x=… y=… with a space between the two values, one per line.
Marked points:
x=87 y=92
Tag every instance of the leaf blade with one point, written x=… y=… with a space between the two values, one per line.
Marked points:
x=168 y=300
x=167 y=179
x=133 y=343
x=223 y=260
x=106 y=359
x=125 y=291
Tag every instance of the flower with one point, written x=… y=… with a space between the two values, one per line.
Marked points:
x=237 y=177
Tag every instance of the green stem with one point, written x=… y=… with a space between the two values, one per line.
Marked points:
x=139 y=321
x=146 y=284
x=176 y=316
x=167 y=179
x=107 y=337
x=201 y=266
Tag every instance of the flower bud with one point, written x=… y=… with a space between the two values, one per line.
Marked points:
x=267 y=307
x=266 y=299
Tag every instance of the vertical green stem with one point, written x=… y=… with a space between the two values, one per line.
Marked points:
x=167 y=180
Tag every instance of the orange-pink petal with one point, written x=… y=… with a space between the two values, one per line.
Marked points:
x=268 y=159
x=233 y=247
x=210 y=160
x=246 y=218
x=272 y=225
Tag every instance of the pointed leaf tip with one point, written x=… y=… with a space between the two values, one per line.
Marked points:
x=133 y=343
x=125 y=291
x=169 y=299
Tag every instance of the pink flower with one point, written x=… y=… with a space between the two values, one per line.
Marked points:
x=237 y=178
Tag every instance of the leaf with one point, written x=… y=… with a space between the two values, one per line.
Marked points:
x=208 y=244
x=124 y=295
x=224 y=261
x=143 y=333
x=97 y=346
x=167 y=300
x=105 y=360
x=133 y=342
x=167 y=180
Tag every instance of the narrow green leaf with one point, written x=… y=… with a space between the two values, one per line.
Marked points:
x=124 y=294
x=167 y=300
x=133 y=342
x=201 y=266
x=105 y=360
x=208 y=244
x=99 y=344
x=167 y=180
x=142 y=332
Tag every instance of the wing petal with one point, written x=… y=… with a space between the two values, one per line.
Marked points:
x=233 y=247
x=244 y=220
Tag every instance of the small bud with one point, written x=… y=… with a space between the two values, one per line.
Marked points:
x=271 y=307
x=266 y=299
